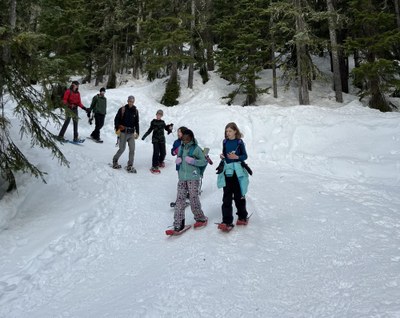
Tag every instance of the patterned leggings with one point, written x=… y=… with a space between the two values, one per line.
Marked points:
x=191 y=187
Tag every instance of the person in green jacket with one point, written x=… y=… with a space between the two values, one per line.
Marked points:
x=157 y=126
x=99 y=109
x=190 y=160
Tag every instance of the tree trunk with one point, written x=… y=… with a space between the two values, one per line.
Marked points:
x=251 y=95
x=112 y=79
x=301 y=53
x=273 y=62
x=343 y=62
x=274 y=76
x=335 y=57
x=397 y=9
x=192 y=29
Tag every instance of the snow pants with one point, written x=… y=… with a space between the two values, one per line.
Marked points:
x=98 y=124
x=123 y=139
x=68 y=118
x=232 y=191
x=159 y=153
x=185 y=187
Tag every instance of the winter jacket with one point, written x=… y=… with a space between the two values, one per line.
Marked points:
x=232 y=166
x=241 y=173
x=72 y=99
x=191 y=172
x=157 y=126
x=127 y=117
x=175 y=149
x=99 y=104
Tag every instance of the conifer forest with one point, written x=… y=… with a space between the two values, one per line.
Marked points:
x=44 y=42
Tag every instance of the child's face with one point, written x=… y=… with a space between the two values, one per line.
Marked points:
x=230 y=133
x=158 y=116
x=186 y=139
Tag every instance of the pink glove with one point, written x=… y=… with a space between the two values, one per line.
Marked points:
x=176 y=151
x=190 y=160
x=178 y=160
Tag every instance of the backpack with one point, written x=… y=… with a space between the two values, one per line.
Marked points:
x=190 y=154
x=123 y=110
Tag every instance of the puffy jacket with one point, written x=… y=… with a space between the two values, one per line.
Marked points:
x=191 y=172
x=72 y=99
x=241 y=173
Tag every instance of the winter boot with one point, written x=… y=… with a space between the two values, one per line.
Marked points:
x=131 y=169
x=116 y=165
x=201 y=223
x=155 y=170
x=225 y=227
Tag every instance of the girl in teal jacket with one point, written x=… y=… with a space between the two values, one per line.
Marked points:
x=190 y=160
x=233 y=178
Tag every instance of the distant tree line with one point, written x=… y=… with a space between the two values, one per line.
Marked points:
x=46 y=41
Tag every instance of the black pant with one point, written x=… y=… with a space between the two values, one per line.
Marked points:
x=98 y=124
x=159 y=153
x=66 y=123
x=232 y=191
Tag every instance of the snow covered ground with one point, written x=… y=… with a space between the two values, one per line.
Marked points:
x=323 y=240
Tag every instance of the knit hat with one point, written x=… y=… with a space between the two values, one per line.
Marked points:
x=131 y=97
x=160 y=112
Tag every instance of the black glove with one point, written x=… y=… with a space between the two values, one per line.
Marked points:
x=88 y=112
x=220 y=167
x=170 y=127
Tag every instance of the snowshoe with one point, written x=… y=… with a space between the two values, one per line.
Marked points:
x=115 y=165
x=98 y=140
x=176 y=232
x=155 y=170
x=200 y=224
x=131 y=169
x=225 y=227
x=244 y=221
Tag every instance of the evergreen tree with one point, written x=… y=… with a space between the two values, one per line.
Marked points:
x=374 y=37
x=24 y=61
x=242 y=30
x=165 y=31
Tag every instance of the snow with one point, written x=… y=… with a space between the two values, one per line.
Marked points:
x=323 y=239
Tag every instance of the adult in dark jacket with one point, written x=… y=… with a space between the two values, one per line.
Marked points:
x=126 y=123
x=99 y=109
x=72 y=99
x=157 y=126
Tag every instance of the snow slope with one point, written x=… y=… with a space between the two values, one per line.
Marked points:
x=323 y=240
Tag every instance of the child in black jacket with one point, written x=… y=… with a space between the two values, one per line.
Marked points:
x=157 y=126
